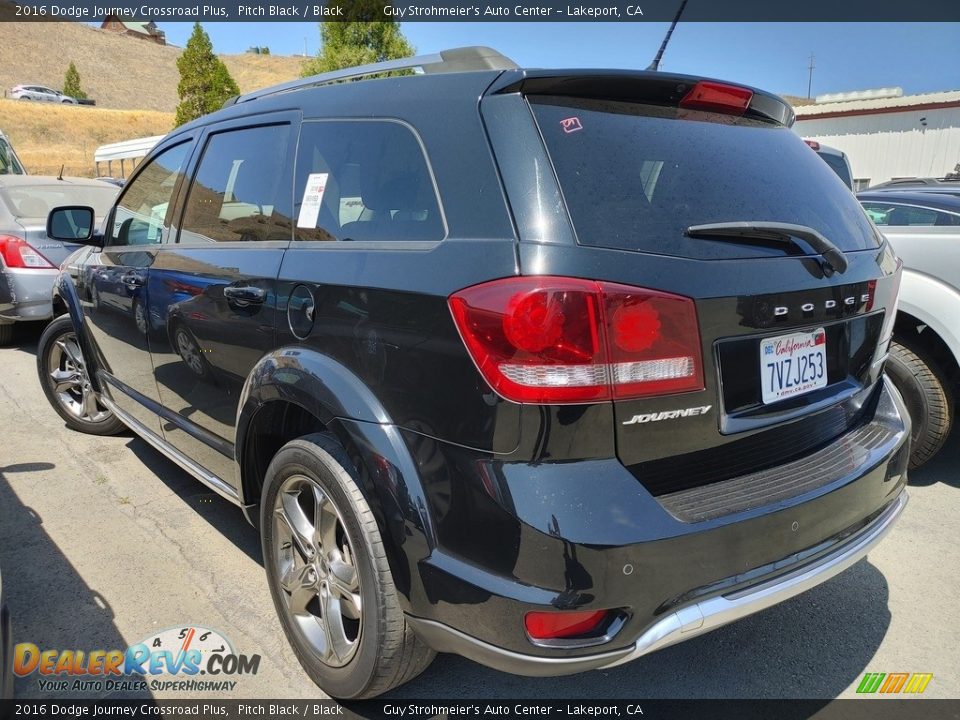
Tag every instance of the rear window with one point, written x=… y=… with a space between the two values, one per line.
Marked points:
x=634 y=177
x=36 y=201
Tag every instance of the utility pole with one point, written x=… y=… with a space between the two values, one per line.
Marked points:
x=655 y=65
x=810 y=77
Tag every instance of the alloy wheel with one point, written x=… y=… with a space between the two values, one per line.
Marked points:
x=70 y=381
x=316 y=570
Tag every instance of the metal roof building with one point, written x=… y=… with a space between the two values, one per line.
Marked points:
x=887 y=134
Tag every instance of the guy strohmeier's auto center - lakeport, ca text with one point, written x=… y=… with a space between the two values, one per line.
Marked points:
x=310 y=11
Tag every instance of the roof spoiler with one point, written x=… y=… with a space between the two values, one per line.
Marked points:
x=466 y=59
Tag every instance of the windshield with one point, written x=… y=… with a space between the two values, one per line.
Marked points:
x=36 y=201
x=9 y=164
x=635 y=177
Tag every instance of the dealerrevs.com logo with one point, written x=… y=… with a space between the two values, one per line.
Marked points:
x=188 y=659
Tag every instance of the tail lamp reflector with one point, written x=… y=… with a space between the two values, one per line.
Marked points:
x=555 y=625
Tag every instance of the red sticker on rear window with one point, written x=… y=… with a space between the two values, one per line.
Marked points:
x=571 y=124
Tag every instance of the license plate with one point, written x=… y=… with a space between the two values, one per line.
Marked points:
x=792 y=365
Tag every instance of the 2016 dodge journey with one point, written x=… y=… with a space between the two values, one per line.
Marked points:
x=547 y=368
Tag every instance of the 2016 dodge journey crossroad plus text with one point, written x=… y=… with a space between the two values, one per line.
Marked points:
x=547 y=368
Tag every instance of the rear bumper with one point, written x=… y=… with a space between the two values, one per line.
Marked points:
x=26 y=294
x=678 y=625
x=686 y=576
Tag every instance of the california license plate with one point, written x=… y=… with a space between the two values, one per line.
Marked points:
x=792 y=365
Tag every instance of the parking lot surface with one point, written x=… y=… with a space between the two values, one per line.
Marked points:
x=103 y=543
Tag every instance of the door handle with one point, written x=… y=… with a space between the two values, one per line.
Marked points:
x=245 y=295
x=132 y=280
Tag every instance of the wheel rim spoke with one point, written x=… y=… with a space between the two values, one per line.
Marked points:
x=301 y=583
x=346 y=586
x=88 y=404
x=66 y=380
x=299 y=526
x=70 y=348
x=338 y=644
x=326 y=520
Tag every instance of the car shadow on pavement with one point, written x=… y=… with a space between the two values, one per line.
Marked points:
x=50 y=604
x=812 y=646
x=225 y=517
x=26 y=336
x=945 y=467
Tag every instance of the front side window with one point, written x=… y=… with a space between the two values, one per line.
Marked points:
x=142 y=209
x=364 y=180
x=241 y=191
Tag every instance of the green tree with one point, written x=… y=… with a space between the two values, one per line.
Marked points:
x=71 y=84
x=362 y=38
x=205 y=82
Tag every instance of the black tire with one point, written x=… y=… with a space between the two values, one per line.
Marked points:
x=105 y=423
x=387 y=652
x=6 y=333
x=925 y=394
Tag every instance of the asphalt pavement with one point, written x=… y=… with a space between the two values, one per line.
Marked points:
x=104 y=543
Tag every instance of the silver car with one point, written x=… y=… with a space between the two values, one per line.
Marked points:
x=28 y=257
x=924 y=362
x=42 y=94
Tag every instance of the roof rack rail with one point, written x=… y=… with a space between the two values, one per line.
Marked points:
x=464 y=59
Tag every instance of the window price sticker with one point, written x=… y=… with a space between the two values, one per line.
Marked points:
x=312 y=199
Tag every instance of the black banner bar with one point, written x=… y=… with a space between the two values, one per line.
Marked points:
x=874 y=708
x=494 y=11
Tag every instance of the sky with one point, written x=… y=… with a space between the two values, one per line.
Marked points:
x=919 y=57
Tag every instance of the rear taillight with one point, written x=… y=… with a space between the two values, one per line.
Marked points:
x=16 y=253
x=813 y=145
x=567 y=340
x=718 y=97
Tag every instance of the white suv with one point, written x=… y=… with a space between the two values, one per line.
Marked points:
x=41 y=93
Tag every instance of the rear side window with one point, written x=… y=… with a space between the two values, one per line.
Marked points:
x=241 y=191
x=634 y=177
x=364 y=180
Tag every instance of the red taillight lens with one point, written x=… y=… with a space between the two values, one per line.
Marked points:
x=554 y=625
x=813 y=145
x=566 y=340
x=17 y=253
x=718 y=97
x=654 y=342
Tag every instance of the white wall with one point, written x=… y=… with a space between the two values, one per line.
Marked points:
x=889 y=145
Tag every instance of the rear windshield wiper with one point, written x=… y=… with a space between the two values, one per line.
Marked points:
x=777 y=232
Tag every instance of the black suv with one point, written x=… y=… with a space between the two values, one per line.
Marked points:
x=547 y=368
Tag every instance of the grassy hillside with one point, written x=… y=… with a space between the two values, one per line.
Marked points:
x=47 y=136
x=117 y=71
x=134 y=83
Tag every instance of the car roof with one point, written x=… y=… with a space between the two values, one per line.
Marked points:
x=936 y=201
x=462 y=74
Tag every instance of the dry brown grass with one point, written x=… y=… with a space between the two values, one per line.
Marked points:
x=47 y=136
x=134 y=83
x=116 y=70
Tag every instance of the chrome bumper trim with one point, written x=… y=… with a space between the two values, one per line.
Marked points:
x=712 y=613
